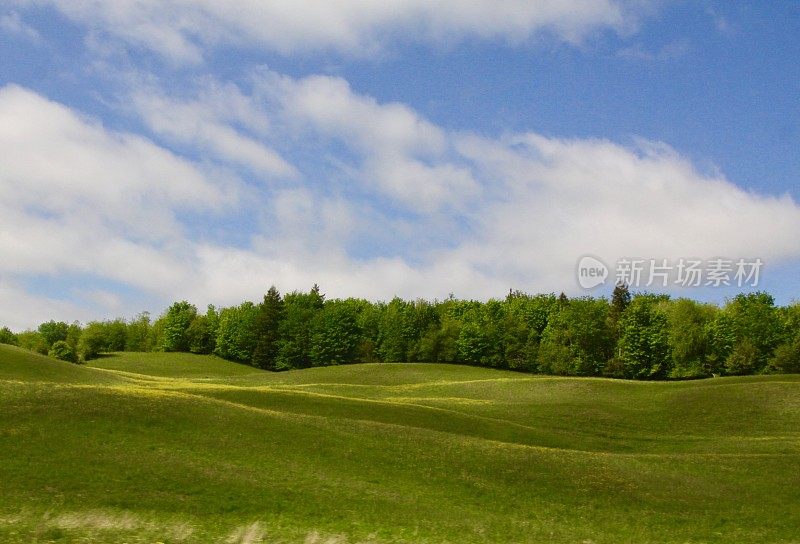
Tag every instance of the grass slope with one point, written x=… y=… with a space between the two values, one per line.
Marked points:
x=176 y=448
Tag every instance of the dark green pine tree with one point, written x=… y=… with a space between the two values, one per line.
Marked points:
x=620 y=299
x=270 y=314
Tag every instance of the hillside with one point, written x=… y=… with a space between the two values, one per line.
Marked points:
x=181 y=448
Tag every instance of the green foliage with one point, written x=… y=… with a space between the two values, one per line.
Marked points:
x=787 y=358
x=620 y=299
x=155 y=336
x=640 y=337
x=176 y=322
x=439 y=344
x=53 y=331
x=335 y=336
x=577 y=340
x=74 y=332
x=368 y=323
x=63 y=351
x=8 y=337
x=743 y=358
x=644 y=346
x=526 y=318
x=115 y=333
x=474 y=344
x=753 y=319
x=237 y=333
x=690 y=342
x=33 y=341
x=295 y=329
x=482 y=337
x=212 y=321
x=268 y=320
x=92 y=341
x=202 y=332
x=395 y=331
x=137 y=336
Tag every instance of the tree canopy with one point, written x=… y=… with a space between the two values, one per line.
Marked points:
x=638 y=336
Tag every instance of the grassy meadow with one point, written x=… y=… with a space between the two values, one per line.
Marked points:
x=177 y=448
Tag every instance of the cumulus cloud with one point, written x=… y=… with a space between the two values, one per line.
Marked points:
x=217 y=120
x=401 y=154
x=76 y=197
x=519 y=211
x=565 y=198
x=181 y=30
x=417 y=210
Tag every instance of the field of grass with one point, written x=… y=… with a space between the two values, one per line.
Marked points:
x=174 y=448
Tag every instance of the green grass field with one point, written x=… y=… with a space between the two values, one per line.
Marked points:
x=173 y=448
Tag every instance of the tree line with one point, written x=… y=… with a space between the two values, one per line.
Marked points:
x=637 y=336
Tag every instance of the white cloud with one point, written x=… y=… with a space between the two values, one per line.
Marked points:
x=402 y=155
x=20 y=310
x=391 y=151
x=76 y=197
x=182 y=29
x=209 y=122
x=470 y=215
x=531 y=206
x=566 y=198
x=107 y=300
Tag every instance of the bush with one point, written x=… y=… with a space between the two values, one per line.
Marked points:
x=63 y=351
x=8 y=337
x=787 y=358
x=743 y=359
x=92 y=341
x=53 y=331
x=33 y=341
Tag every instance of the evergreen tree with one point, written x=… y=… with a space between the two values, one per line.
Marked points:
x=620 y=299
x=268 y=321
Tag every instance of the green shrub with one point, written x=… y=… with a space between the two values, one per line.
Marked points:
x=743 y=359
x=63 y=351
x=8 y=337
x=787 y=358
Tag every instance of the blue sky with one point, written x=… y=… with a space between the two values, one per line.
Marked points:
x=204 y=150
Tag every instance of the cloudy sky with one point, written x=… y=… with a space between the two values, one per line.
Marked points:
x=155 y=150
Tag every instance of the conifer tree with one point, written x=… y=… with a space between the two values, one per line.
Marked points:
x=270 y=314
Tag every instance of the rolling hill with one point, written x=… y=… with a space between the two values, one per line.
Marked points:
x=181 y=448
